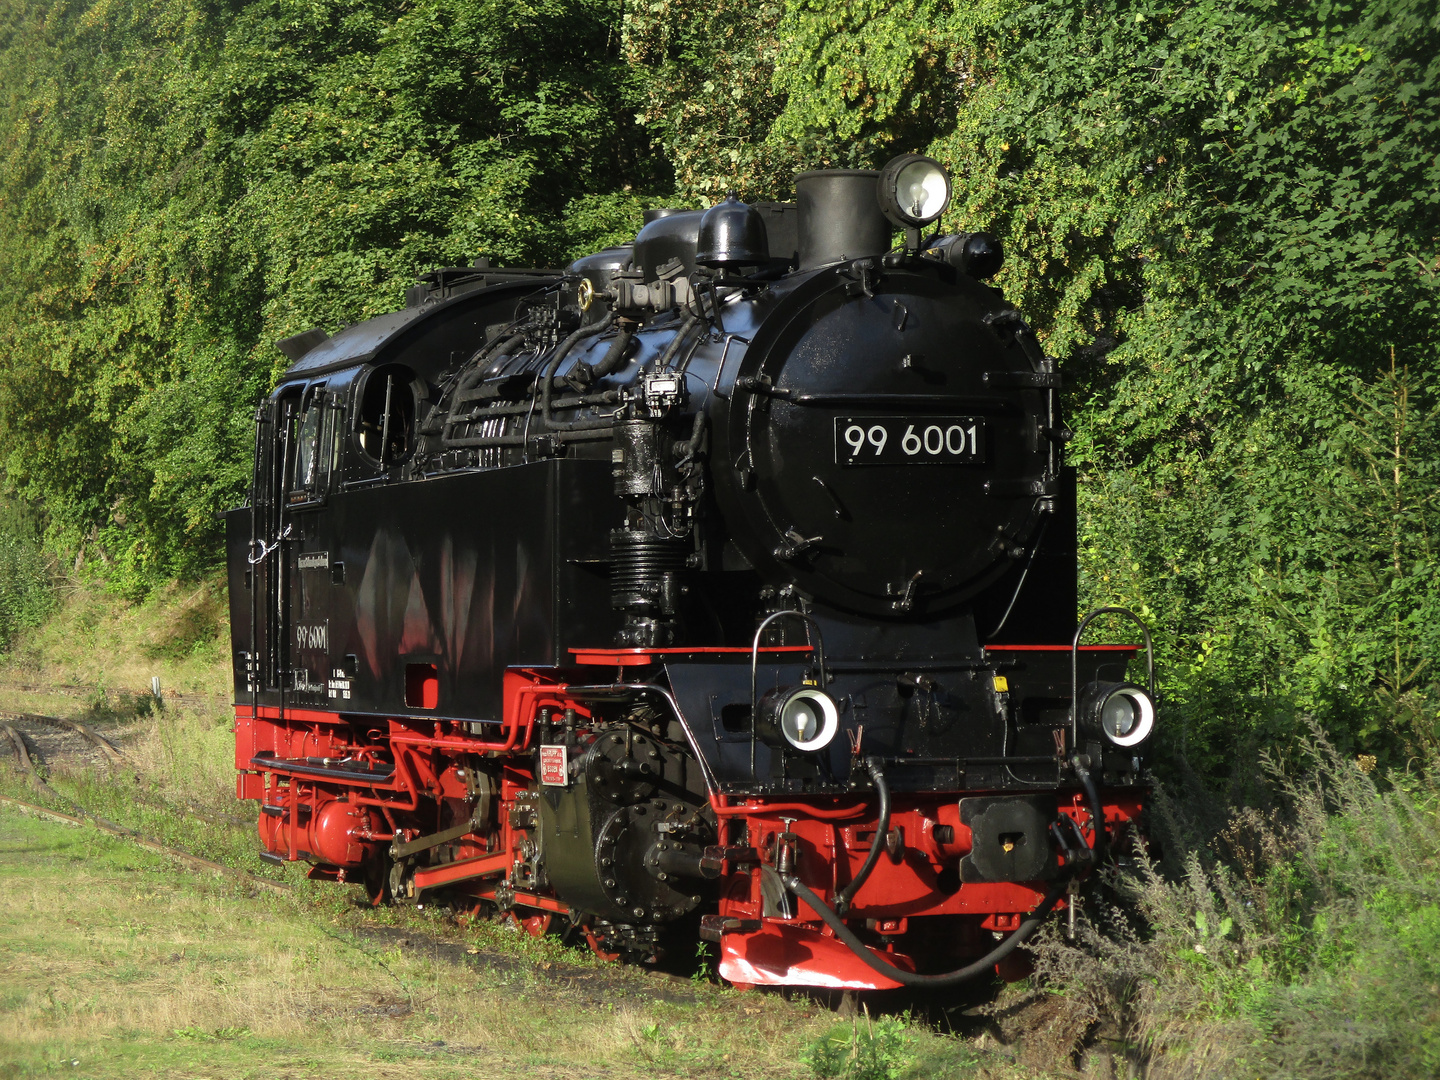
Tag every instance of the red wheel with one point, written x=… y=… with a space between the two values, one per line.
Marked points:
x=537 y=925
x=377 y=884
x=477 y=912
x=597 y=945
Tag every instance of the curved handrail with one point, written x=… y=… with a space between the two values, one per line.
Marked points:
x=818 y=648
x=1075 y=665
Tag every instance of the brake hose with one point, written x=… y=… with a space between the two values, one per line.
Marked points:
x=1097 y=811
x=882 y=831
x=1028 y=925
x=832 y=917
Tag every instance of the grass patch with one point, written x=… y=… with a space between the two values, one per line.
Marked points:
x=1296 y=934
x=103 y=650
x=120 y=964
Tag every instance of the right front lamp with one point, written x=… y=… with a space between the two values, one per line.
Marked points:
x=1122 y=712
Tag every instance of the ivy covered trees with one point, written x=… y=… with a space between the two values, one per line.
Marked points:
x=184 y=183
x=1222 y=217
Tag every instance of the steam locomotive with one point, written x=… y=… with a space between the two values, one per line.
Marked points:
x=721 y=583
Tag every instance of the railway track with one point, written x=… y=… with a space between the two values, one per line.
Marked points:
x=106 y=826
x=104 y=745
x=28 y=764
x=84 y=690
x=665 y=983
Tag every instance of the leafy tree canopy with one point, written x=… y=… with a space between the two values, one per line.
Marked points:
x=185 y=183
x=1222 y=215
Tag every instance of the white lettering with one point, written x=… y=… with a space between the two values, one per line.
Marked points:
x=312 y=636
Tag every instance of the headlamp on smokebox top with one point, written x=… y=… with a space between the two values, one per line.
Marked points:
x=913 y=191
x=798 y=718
x=1122 y=712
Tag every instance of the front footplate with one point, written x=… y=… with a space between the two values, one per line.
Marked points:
x=780 y=955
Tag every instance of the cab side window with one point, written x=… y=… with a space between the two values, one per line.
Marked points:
x=311 y=432
x=385 y=416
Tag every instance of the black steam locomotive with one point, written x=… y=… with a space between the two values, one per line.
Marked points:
x=721 y=583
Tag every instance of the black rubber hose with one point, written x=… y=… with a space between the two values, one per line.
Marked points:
x=616 y=355
x=688 y=323
x=696 y=440
x=613 y=358
x=877 y=845
x=547 y=380
x=1097 y=811
x=1028 y=925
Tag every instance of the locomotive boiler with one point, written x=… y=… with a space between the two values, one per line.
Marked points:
x=722 y=584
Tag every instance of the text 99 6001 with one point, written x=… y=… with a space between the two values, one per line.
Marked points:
x=909 y=440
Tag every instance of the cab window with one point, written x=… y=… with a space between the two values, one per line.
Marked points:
x=385 y=417
x=311 y=432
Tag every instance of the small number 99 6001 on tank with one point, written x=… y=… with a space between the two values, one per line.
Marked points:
x=721 y=584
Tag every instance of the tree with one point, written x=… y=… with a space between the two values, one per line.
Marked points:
x=183 y=184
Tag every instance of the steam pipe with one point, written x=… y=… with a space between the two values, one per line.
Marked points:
x=820 y=813
x=612 y=360
x=501 y=347
x=1097 y=810
x=547 y=379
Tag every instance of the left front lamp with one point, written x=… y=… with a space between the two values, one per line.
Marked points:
x=804 y=717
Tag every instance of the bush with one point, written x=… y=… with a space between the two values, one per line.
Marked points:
x=1295 y=938
x=867 y=1049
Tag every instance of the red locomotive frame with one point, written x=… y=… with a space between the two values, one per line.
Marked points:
x=336 y=802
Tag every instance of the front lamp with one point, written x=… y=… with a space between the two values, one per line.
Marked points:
x=804 y=717
x=913 y=191
x=1122 y=712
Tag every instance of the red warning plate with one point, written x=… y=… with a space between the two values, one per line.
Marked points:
x=554 y=762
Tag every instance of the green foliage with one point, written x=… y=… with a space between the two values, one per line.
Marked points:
x=182 y=184
x=1222 y=215
x=864 y=1049
x=1224 y=218
x=702 y=77
x=1266 y=214
x=1298 y=941
x=27 y=576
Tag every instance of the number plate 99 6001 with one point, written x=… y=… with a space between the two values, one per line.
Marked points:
x=909 y=440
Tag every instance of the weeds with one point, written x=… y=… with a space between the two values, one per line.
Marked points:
x=864 y=1049
x=219 y=1034
x=1297 y=936
x=1300 y=940
x=28 y=576
x=704 y=963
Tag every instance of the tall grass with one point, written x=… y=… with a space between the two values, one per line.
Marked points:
x=27 y=574
x=1296 y=938
x=188 y=753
